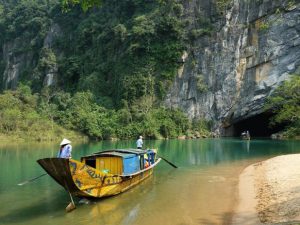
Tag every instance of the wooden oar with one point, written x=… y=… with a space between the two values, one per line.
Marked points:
x=32 y=179
x=71 y=205
x=167 y=161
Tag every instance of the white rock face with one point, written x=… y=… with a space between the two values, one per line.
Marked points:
x=253 y=51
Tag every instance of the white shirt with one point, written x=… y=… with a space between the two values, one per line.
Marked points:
x=139 y=143
x=65 y=152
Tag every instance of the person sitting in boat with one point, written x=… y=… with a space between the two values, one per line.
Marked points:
x=65 y=149
x=146 y=163
x=139 y=142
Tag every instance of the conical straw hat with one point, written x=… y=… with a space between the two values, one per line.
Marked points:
x=65 y=141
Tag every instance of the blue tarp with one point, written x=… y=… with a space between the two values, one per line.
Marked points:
x=151 y=156
x=131 y=164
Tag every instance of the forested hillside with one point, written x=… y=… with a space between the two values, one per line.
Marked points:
x=103 y=72
x=161 y=68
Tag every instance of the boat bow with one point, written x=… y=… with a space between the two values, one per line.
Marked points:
x=59 y=170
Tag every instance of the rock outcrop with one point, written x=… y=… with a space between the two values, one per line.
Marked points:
x=15 y=63
x=19 y=60
x=248 y=54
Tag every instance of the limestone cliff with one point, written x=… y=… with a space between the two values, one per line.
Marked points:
x=253 y=47
x=19 y=60
x=238 y=52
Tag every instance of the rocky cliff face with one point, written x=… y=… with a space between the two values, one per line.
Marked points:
x=18 y=63
x=240 y=51
x=15 y=63
x=252 y=49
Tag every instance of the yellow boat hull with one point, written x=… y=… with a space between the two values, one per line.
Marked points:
x=82 y=180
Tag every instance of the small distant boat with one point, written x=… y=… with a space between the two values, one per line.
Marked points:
x=245 y=135
x=102 y=174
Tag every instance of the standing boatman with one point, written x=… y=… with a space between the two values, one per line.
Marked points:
x=65 y=149
x=139 y=142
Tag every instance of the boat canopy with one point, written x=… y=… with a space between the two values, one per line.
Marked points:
x=121 y=152
x=118 y=154
x=120 y=161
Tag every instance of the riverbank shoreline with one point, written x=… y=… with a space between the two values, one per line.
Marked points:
x=41 y=138
x=269 y=192
x=24 y=137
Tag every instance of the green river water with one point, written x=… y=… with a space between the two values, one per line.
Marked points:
x=203 y=190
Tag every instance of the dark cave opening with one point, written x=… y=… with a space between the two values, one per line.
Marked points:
x=258 y=126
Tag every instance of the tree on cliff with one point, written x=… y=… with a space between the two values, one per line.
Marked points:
x=285 y=103
x=85 y=4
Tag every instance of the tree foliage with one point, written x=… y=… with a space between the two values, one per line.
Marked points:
x=22 y=117
x=85 y=4
x=113 y=65
x=53 y=114
x=136 y=46
x=285 y=103
x=119 y=43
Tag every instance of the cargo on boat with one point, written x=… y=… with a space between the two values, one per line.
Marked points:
x=102 y=174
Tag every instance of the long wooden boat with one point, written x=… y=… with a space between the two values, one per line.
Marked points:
x=245 y=135
x=103 y=173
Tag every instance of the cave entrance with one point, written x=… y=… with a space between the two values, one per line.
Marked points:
x=258 y=126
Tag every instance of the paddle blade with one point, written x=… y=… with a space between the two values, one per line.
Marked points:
x=25 y=182
x=70 y=207
x=33 y=179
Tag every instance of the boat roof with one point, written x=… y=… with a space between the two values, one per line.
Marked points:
x=119 y=154
x=124 y=153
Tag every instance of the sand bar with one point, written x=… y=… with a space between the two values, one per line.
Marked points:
x=269 y=192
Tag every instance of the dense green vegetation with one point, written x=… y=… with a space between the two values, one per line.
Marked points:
x=137 y=46
x=85 y=4
x=122 y=51
x=27 y=115
x=22 y=117
x=285 y=103
x=113 y=65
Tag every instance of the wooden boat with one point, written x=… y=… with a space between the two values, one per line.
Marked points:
x=245 y=135
x=103 y=173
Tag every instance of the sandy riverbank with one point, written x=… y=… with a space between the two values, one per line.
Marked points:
x=269 y=192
